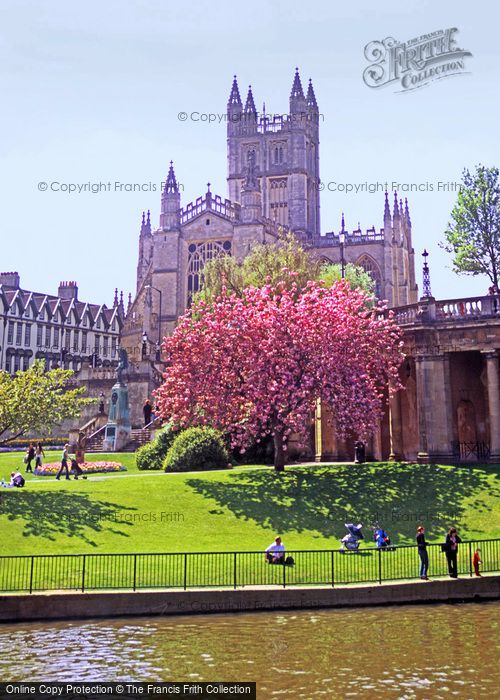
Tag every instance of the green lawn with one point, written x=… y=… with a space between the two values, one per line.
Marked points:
x=242 y=508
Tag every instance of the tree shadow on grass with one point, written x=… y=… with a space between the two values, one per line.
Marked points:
x=52 y=515
x=322 y=499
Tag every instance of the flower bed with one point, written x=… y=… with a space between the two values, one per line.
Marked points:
x=52 y=468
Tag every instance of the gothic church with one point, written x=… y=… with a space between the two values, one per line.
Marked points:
x=273 y=187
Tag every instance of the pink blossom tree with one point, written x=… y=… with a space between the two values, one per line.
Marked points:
x=255 y=365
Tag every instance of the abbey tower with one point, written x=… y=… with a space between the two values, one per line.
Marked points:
x=273 y=186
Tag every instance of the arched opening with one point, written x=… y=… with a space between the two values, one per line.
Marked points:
x=370 y=266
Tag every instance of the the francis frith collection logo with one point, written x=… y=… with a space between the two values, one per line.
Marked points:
x=414 y=63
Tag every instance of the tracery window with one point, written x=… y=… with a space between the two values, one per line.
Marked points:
x=278 y=200
x=198 y=255
x=369 y=265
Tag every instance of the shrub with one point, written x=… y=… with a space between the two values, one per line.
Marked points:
x=151 y=455
x=197 y=449
x=164 y=439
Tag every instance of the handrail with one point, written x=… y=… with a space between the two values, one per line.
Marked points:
x=237 y=551
x=223 y=569
x=103 y=427
x=155 y=419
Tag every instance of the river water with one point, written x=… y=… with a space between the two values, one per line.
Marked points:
x=424 y=652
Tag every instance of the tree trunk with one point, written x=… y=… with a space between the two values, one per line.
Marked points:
x=279 y=452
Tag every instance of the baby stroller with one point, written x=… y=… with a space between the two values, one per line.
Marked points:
x=382 y=539
x=351 y=541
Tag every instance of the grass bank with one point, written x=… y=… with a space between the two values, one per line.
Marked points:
x=243 y=508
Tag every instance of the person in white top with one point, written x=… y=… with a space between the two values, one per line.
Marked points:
x=275 y=552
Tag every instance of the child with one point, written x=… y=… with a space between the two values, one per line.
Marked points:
x=76 y=469
x=476 y=561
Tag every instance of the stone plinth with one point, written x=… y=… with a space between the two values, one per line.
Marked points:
x=118 y=428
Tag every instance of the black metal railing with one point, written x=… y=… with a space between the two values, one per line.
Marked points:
x=87 y=572
x=471 y=451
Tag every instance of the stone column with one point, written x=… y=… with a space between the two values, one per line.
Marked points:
x=326 y=447
x=422 y=402
x=493 y=404
x=318 y=433
x=434 y=408
x=396 y=429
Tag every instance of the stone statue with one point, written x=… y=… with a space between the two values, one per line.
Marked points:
x=251 y=182
x=122 y=364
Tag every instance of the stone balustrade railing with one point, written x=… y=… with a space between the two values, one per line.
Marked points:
x=356 y=237
x=431 y=310
x=210 y=202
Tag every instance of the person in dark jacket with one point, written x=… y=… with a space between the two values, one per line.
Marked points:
x=147 y=410
x=422 y=553
x=30 y=456
x=451 y=549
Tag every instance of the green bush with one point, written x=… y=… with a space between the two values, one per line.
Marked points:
x=164 y=439
x=151 y=455
x=197 y=449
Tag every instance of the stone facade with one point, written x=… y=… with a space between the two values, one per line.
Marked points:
x=273 y=186
x=62 y=330
x=449 y=408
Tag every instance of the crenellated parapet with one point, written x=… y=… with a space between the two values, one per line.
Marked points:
x=210 y=202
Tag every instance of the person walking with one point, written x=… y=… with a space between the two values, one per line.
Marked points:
x=422 y=553
x=39 y=453
x=65 y=458
x=476 y=561
x=30 y=455
x=147 y=410
x=451 y=549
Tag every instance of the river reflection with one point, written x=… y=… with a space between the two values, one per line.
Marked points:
x=424 y=652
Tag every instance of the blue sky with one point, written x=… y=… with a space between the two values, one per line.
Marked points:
x=92 y=91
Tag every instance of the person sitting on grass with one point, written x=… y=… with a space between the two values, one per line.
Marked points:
x=275 y=552
x=16 y=481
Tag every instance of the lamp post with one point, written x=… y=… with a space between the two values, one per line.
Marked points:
x=342 y=259
x=158 y=348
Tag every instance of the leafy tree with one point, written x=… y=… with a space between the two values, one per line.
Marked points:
x=473 y=234
x=254 y=365
x=36 y=400
x=272 y=263
x=356 y=276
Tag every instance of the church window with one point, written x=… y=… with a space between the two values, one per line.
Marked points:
x=207 y=222
x=19 y=333
x=278 y=200
x=276 y=155
x=281 y=155
x=198 y=255
x=10 y=333
x=369 y=265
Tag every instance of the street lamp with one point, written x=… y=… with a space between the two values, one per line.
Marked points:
x=158 y=348
x=342 y=259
